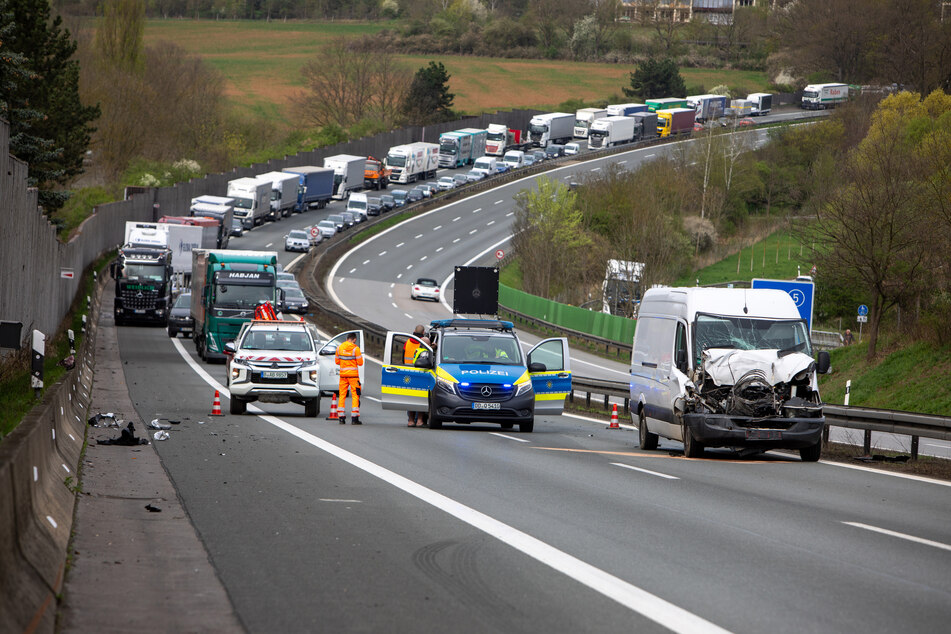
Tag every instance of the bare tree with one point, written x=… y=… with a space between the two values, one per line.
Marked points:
x=351 y=80
x=870 y=230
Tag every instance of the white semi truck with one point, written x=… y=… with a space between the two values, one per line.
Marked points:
x=412 y=162
x=551 y=127
x=252 y=200
x=348 y=173
x=284 y=186
x=611 y=131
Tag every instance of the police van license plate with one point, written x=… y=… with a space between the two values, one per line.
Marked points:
x=486 y=406
x=271 y=374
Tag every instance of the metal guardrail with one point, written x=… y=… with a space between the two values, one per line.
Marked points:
x=621 y=350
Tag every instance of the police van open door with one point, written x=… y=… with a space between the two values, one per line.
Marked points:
x=551 y=378
x=329 y=371
x=403 y=386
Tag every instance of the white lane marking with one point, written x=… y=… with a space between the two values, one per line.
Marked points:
x=390 y=294
x=392 y=284
x=381 y=254
x=394 y=305
x=399 y=276
x=352 y=270
x=475 y=211
x=365 y=262
x=290 y=266
x=457 y=218
x=626 y=594
x=408 y=316
x=647 y=471
x=440 y=249
x=52 y=521
x=622 y=162
x=344 y=501
x=507 y=437
x=418 y=237
x=409 y=266
x=498 y=202
x=437 y=227
x=595 y=169
x=341 y=279
x=268 y=245
x=400 y=244
x=456 y=240
x=473 y=231
x=911 y=538
x=490 y=223
x=650 y=155
x=906 y=476
x=423 y=258
x=511 y=213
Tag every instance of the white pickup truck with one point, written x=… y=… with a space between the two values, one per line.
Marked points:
x=283 y=361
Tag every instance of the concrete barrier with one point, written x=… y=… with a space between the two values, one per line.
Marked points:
x=39 y=464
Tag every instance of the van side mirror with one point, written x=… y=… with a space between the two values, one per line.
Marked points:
x=424 y=360
x=823 y=362
x=681 y=360
x=537 y=367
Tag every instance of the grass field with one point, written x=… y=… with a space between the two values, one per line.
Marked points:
x=780 y=256
x=261 y=63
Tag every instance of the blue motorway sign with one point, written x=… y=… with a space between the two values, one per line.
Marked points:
x=802 y=294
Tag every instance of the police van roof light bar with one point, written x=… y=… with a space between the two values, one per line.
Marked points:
x=488 y=324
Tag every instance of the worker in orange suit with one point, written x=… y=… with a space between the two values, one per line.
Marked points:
x=349 y=358
x=409 y=357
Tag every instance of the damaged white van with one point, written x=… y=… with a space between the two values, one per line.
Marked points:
x=717 y=367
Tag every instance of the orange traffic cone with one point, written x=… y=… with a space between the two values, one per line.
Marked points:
x=216 y=407
x=614 y=423
x=333 y=408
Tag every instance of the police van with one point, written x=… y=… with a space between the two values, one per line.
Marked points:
x=475 y=371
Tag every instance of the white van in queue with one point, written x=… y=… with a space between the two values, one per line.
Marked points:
x=514 y=159
x=717 y=367
x=357 y=203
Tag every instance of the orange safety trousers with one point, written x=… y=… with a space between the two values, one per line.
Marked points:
x=351 y=382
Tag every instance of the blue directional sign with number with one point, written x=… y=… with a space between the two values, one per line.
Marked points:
x=802 y=294
x=863 y=310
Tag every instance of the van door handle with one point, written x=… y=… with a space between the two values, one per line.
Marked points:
x=648 y=365
x=564 y=375
x=389 y=369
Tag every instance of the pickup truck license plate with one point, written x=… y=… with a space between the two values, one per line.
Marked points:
x=485 y=406
x=764 y=434
x=271 y=374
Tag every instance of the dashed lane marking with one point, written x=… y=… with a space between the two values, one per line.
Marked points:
x=647 y=471
x=490 y=223
x=473 y=231
x=507 y=437
x=911 y=538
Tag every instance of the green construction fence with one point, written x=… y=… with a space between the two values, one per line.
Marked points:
x=613 y=327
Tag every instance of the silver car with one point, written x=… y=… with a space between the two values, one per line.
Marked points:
x=297 y=240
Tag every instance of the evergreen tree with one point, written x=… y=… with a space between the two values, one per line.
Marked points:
x=50 y=127
x=654 y=79
x=429 y=99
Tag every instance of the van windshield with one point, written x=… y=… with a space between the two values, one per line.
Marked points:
x=744 y=333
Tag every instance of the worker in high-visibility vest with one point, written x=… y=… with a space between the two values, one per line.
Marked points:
x=410 y=349
x=422 y=418
x=349 y=358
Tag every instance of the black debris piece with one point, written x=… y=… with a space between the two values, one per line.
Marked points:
x=126 y=438
x=152 y=509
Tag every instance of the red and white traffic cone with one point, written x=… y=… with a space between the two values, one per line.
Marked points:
x=614 y=423
x=216 y=406
x=333 y=408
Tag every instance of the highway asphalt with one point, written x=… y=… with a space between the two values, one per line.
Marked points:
x=315 y=526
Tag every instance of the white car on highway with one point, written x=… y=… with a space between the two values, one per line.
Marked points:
x=425 y=288
x=282 y=361
x=446 y=183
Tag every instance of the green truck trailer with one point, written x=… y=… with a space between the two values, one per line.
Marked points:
x=226 y=288
x=653 y=105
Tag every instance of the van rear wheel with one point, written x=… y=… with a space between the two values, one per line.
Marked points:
x=648 y=441
x=692 y=447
